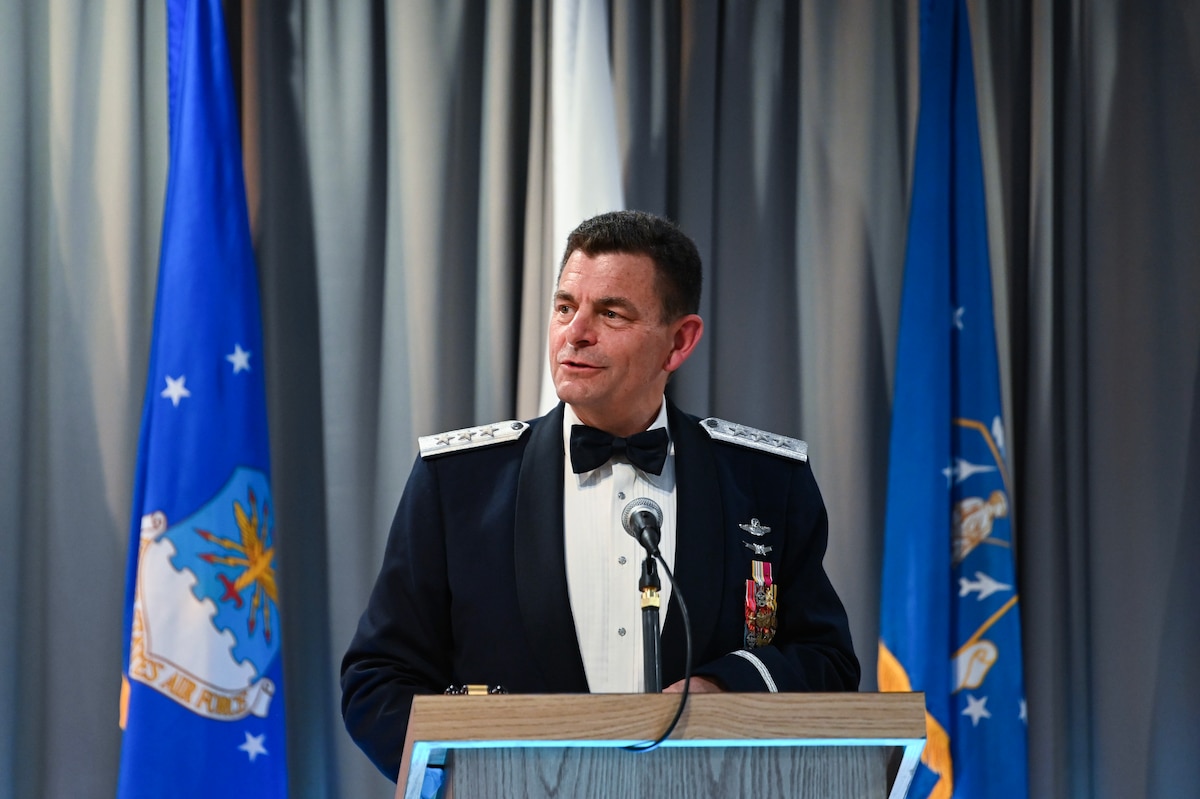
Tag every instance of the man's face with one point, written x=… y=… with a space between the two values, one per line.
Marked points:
x=610 y=351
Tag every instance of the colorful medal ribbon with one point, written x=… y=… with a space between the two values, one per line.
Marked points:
x=761 y=605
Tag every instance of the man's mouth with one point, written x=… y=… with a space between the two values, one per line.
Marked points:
x=578 y=365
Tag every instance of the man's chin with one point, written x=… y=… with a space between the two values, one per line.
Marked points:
x=574 y=387
x=571 y=396
x=576 y=396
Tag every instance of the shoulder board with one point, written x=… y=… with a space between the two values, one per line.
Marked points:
x=752 y=438
x=471 y=438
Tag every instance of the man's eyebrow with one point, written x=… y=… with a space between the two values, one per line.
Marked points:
x=616 y=302
x=603 y=302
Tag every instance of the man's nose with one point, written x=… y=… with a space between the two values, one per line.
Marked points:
x=581 y=332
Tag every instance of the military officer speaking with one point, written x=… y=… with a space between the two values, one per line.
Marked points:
x=507 y=562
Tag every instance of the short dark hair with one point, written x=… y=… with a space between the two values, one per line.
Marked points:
x=676 y=259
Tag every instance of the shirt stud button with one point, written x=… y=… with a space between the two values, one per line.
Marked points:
x=621 y=560
x=620 y=631
x=620 y=495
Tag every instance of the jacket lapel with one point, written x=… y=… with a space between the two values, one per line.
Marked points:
x=700 y=545
x=541 y=569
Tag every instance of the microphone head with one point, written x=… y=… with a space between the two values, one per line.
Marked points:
x=644 y=504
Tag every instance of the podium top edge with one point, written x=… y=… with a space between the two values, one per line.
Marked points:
x=709 y=719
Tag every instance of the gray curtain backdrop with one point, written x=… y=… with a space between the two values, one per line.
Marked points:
x=400 y=175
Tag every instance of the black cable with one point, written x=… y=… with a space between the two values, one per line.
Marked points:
x=687 y=666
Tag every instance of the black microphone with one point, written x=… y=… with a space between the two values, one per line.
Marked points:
x=642 y=519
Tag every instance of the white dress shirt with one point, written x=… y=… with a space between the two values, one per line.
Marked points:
x=604 y=562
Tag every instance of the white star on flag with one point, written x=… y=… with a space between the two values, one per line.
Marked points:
x=239 y=358
x=176 y=390
x=976 y=709
x=254 y=746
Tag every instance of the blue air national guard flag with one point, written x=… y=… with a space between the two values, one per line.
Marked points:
x=201 y=698
x=950 y=621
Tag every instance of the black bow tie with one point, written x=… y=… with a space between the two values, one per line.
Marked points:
x=592 y=448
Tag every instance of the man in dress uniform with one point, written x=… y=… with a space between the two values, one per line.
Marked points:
x=507 y=562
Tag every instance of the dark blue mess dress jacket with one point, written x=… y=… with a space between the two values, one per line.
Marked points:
x=473 y=586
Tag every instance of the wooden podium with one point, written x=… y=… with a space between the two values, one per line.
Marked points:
x=726 y=745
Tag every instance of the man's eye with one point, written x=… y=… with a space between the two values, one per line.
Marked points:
x=610 y=314
x=563 y=309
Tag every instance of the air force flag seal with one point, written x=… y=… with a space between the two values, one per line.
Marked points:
x=205 y=614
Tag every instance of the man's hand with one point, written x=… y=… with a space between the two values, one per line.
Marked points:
x=700 y=685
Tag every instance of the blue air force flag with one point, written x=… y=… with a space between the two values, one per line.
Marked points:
x=950 y=619
x=201 y=698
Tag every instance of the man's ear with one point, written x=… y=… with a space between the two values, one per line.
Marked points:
x=688 y=330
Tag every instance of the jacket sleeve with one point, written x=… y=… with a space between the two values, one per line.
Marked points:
x=403 y=642
x=812 y=648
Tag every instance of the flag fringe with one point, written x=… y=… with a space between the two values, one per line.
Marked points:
x=936 y=755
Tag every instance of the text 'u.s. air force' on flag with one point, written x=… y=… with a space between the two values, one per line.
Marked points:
x=950 y=622
x=202 y=681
